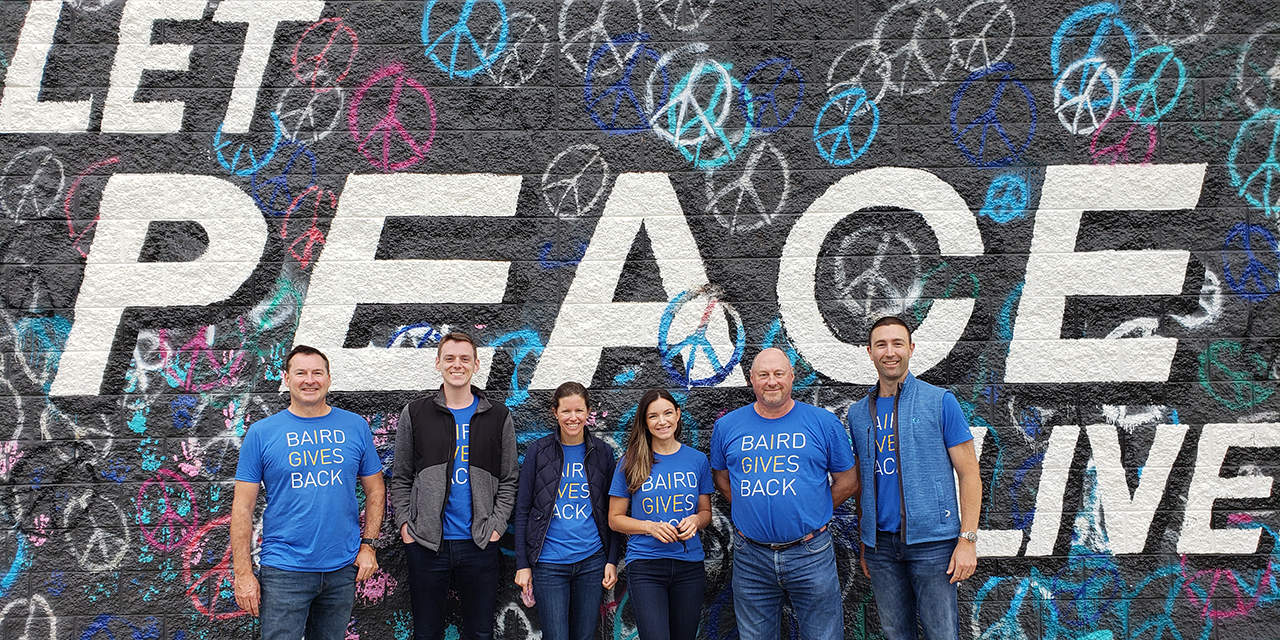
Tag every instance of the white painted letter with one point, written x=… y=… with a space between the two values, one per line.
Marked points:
x=992 y=542
x=258 y=40
x=115 y=280
x=347 y=273
x=136 y=54
x=1207 y=485
x=1055 y=270
x=20 y=109
x=1128 y=517
x=590 y=320
x=1054 y=472
x=946 y=214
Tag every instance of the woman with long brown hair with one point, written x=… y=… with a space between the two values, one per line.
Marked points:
x=661 y=497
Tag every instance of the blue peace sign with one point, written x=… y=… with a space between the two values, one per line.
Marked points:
x=768 y=100
x=698 y=343
x=1109 y=16
x=990 y=119
x=621 y=89
x=1006 y=198
x=254 y=162
x=280 y=183
x=1147 y=91
x=460 y=32
x=830 y=140
x=1257 y=280
x=1266 y=170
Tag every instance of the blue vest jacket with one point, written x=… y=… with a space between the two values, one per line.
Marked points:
x=930 y=507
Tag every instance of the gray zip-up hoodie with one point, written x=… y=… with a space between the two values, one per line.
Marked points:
x=425 y=441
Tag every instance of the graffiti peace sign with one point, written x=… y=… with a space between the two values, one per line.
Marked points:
x=207 y=573
x=838 y=144
x=696 y=345
x=991 y=120
x=400 y=147
x=325 y=50
x=167 y=511
x=465 y=56
x=1259 y=275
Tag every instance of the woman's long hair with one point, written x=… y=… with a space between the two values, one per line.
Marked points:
x=639 y=459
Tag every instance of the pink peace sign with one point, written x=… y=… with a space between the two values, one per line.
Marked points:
x=77 y=235
x=335 y=39
x=209 y=589
x=313 y=235
x=400 y=149
x=171 y=517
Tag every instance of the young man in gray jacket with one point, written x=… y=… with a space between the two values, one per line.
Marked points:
x=453 y=486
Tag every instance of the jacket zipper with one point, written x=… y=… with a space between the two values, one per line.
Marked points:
x=902 y=496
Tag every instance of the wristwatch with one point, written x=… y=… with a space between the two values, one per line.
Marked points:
x=368 y=541
x=971 y=536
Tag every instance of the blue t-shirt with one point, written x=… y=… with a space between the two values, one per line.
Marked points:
x=572 y=535
x=778 y=469
x=457 y=510
x=669 y=495
x=955 y=430
x=311 y=467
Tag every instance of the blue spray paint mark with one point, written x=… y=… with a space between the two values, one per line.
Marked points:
x=625 y=378
x=838 y=144
x=1260 y=277
x=768 y=100
x=255 y=163
x=1004 y=322
x=181 y=409
x=459 y=32
x=989 y=120
x=21 y=560
x=527 y=342
x=1006 y=198
x=548 y=263
x=622 y=89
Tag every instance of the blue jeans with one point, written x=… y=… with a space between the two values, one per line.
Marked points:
x=474 y=572
x=316 y=602
x=910 y=580
x=569 y=597
x=805 y=572
x=666 y=597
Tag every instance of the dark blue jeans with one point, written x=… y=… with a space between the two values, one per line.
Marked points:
x=474 y=572
x=569 y=597
x=666 y=597
x=318 y=603
x=805 y=573
x=911 y=580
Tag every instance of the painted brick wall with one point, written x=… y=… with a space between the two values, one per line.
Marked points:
x=1070 y=202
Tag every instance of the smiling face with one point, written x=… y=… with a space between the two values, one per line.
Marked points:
x=456 y=361
x=571 y=414
x=771 y=378
x=890 y=352
x=308 y=380
x=663 y=420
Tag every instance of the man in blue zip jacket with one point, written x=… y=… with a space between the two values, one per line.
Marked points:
x=917 y=540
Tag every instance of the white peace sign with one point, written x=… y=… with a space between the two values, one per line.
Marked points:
x=570 y=163
x=92 y=543
x=1084 y=102
x=881 y=290
x=750 y=211
x=578 y=46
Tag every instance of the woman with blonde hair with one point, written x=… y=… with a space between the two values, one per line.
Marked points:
x=661 y=497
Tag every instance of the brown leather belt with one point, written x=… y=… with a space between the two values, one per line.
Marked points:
x=784 y=545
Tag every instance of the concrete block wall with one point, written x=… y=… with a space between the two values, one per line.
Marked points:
x=1070 y=202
